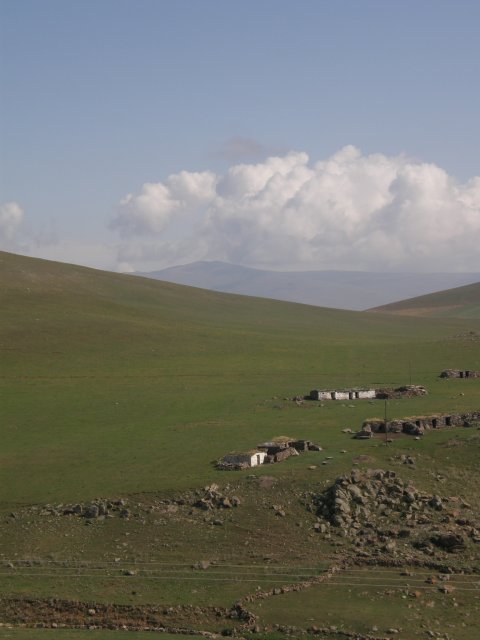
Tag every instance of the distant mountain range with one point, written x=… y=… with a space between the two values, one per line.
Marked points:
x=354 y=290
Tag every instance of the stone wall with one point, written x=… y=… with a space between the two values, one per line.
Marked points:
x=417 y=425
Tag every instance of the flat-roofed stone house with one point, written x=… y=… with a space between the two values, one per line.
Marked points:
x=459 y=373
x=342 y=394
x=248 y=458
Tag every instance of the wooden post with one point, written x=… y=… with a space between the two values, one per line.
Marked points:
x=385 y=422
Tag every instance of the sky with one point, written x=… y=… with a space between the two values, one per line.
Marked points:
x=278 y=134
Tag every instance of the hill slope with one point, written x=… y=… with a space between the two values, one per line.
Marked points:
x=122 y=391
x=355 y=290
x=461 y=302
x=117 y=383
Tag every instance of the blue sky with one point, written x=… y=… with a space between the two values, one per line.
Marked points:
x=100 y=97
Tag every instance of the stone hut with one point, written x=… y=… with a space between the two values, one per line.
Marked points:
x=341 y=394
x=283 y=447
x=417 y=425
x=243 y=460
x=459 y=373
x=277 y=450
x=288 y=452
x=276 y=446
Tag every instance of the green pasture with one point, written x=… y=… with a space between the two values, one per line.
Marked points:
x=460 y=302
x=374 y=601
x=114 y=384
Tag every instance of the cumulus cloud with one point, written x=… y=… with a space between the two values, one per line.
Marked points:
x=349 y=211
x=157 y=203
x=19 y=235
x=11 y=219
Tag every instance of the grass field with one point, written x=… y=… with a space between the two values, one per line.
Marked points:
x=114 y=386
x=374 y=601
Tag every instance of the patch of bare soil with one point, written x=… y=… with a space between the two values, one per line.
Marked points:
x=266 y=482
x=363 y=458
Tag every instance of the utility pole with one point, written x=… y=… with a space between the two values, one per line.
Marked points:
x=385 y=422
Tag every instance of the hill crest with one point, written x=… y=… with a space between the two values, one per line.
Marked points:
x=459 y=302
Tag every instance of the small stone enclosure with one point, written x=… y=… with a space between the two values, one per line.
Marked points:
x=417 y=425
x=459 y=373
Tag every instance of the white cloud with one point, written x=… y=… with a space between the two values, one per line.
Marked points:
x=18 y=235
x=11 y=219
x=153 y=209
x=350 y=211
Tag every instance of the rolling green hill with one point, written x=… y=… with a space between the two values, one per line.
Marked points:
x=126 y=389
x=114 y=383
x=461 y=302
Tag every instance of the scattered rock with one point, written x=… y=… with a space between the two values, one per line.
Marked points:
x=451 y=542
x=212 y=498
x=376 y=507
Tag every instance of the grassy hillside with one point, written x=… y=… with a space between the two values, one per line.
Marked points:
x=120 y=387
x=118 y=384
x=461 y=302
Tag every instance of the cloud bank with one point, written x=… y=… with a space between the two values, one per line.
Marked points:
x=350 y=211
x=11 y=219
x=17 y=235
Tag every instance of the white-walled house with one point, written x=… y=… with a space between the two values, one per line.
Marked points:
x=317 y=394
x=342 y=394
x=365 y=393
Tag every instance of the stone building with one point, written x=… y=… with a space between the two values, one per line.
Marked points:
x=459 y=373
x=248 y=459
x=342 y=394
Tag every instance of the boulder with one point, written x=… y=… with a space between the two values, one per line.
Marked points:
x=91 y=511
x=451 y=542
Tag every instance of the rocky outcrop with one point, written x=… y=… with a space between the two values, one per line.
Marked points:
x=406 y=391
x=212 y=498
x=365 y=433
x=376 y=509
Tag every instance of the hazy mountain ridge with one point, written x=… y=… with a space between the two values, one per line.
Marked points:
x=353 y=290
